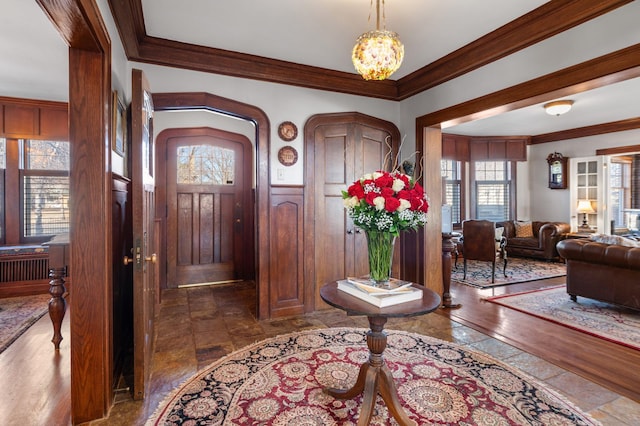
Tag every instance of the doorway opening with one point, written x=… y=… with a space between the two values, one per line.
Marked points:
x=209 y=206
x=254 y=117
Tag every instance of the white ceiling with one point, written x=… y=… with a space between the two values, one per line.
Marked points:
x=311 y=32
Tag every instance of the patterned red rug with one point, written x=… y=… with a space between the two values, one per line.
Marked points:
x=519 y=270
x=280 y=381
x=606 y=321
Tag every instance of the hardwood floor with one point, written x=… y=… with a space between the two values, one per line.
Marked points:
x=198 y=325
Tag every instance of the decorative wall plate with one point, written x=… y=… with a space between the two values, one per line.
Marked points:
x=288 y=156
x=287 y=131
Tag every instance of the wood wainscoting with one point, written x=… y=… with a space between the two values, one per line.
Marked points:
x=286 y=269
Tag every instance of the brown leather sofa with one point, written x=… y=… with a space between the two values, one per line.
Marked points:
x=543 y=243
x=605 y=272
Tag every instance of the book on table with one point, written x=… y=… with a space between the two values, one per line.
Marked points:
x=396 y=292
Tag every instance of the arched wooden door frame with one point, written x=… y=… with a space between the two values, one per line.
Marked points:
x=162 y=140
x=309 y=175
x=181 y=101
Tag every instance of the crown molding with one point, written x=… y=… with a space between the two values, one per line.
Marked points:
x=549 y=19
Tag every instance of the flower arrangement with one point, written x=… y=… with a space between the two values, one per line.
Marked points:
x=386 y=201
x=383 y=204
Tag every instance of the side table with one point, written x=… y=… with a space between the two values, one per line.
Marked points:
x=374 y=376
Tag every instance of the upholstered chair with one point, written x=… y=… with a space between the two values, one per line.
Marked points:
x=479 y=242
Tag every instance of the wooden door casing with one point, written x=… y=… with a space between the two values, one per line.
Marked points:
x=209 y=227
x=339 y=149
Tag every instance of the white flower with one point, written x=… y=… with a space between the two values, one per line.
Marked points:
x=367 y=176
x=351 y=202
x=398 y=185
x=376 y=175
x=379 y=203
x=404 y=204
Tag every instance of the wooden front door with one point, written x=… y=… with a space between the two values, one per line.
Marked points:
x=209 y=208
x=344 y=148
x=144 y=244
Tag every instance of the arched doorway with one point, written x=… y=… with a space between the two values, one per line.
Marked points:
x=205 y=179
x=209 y=102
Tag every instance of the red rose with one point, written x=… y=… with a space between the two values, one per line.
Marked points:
x=416 y=203
x=356 y=190
x=403 y=178
x=384 y=181
x=387 y=192
x=404 y=194
x=391 y=204
x=370 y=197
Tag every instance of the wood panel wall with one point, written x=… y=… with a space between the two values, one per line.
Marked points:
x=33 y=119
x=286 y=213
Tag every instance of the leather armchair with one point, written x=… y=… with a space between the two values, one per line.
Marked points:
x=479 y=243
x=543 y=243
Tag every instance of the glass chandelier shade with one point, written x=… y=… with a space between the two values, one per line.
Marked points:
x=377 y=54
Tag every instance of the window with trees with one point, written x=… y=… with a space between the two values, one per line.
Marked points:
x=493 y=195
x=36 y=175
x=205 y=165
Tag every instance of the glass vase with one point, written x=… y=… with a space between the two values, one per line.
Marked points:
x=380 y=248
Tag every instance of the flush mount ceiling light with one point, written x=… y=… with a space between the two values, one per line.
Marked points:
x=558 y=107
x=379 y=53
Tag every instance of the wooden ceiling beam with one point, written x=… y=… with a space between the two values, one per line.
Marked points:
x=581 y=132
x=611 y=68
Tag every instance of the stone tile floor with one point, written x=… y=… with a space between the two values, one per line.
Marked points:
x=198 y=325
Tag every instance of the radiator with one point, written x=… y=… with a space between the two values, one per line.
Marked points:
x=21 y=268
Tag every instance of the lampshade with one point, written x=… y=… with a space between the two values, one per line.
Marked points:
x=558 y=107
x=379 y=53
x=584 y=206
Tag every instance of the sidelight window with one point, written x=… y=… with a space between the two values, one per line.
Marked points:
x=451 y=171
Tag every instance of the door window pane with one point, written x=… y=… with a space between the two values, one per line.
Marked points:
x=205 y=165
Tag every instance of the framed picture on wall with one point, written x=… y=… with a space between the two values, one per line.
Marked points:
x=119 y=137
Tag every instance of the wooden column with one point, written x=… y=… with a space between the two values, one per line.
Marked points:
x=431 y=147
x=448 y=247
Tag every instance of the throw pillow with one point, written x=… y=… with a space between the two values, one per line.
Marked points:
x=524 y=229
x=614 y=240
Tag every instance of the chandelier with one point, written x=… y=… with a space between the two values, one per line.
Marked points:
x=379 y=53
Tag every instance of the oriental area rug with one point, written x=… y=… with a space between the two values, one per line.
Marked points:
x=17 y=314
x=519 y=270
x=280 y=381
x=604 y=320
